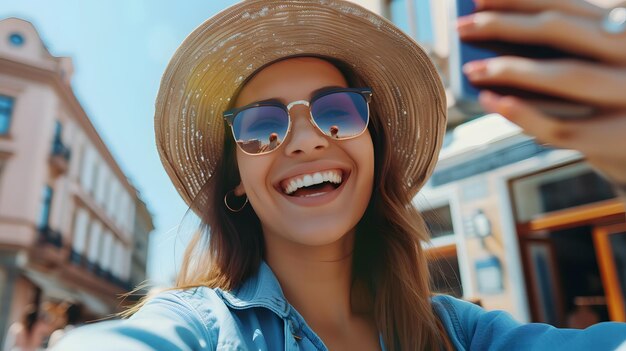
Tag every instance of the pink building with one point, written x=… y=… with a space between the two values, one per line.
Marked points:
x=69 y=217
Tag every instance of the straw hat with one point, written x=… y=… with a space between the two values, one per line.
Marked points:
x=217 y=58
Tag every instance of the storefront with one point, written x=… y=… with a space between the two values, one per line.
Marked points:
x=534 y=230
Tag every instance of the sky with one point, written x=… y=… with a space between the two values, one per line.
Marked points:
x=120 y=49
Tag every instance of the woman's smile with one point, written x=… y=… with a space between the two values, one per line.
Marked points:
x=314 y=184
x=311 y=184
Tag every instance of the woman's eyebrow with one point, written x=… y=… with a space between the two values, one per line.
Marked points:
x=324 y=89
x=282 y=101
x=270 y=100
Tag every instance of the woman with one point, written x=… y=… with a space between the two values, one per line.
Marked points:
x=332 y=121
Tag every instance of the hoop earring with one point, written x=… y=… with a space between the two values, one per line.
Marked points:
x=230 y=208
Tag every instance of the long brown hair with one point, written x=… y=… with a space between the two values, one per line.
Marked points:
x=390 y=271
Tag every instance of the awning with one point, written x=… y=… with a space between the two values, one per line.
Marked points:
x=478 y=134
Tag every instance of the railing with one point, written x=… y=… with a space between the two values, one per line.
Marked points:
x=94 y=267
x=77 y=258
x=59 y=149
x=51 y=236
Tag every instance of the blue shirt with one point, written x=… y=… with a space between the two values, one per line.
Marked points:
x=257 y=316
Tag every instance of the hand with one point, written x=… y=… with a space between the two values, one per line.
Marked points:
x=573 y=26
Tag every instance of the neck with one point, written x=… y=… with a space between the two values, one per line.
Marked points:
x=316 y=280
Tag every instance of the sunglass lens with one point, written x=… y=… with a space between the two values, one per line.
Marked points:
x=341 y=115
x=260 y=129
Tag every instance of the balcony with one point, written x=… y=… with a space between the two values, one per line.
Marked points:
x=50 y=236
x=97 y=271
x=60 y=157
x=77 y=258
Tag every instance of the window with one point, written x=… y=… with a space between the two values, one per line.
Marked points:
x=6 y=110
x=573 y=191
x=107 y=248
x=58 y=130
x=95 y=174
x=558 y=189
x=95 y=242
x=413 y=17
x=45 y=210
x=111 y=197
x=118 y=259
x=101 y=186
x=80 y=231
x=439 y=221
x=86 y=173
x=2 y=164
x=445 y=275
x=16 y=39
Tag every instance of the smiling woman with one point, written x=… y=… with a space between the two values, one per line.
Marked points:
x=299 y=131
x=307 y=215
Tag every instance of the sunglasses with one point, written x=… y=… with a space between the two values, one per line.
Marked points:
x=261 y=127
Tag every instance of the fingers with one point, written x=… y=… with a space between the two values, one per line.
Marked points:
x=574 y=34
x=599 y=137
x=572 y=7
x=581 y=81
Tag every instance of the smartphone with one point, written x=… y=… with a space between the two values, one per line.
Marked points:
x=466 y=94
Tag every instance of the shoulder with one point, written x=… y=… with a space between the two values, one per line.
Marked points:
x=203 y=306
x=467 y=323
x=470 y=327
x=173 y=320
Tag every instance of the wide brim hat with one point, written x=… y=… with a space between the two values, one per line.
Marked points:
x=215 y=60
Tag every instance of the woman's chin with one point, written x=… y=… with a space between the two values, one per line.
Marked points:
x=315 y=233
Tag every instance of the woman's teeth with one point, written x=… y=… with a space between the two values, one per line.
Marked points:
x=307 y=180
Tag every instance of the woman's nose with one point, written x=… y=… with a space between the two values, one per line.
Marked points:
x=304 y=137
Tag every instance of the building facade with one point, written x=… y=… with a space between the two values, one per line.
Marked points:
x=141 y=235
x=68 y=214
x=515 y=225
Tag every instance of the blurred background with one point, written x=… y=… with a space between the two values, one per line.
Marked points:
x=87 y=212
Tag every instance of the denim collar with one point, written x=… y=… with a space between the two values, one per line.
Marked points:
x=260 y=290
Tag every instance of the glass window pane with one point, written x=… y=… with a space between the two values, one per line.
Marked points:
x=45 y=210
x=6 y=110
x=439 y=221
x=557 y=189
x=445 y=276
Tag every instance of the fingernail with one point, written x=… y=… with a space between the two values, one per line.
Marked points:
x=475 y=70
x=465 y=25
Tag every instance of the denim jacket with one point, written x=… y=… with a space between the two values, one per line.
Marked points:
x=256 y=316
